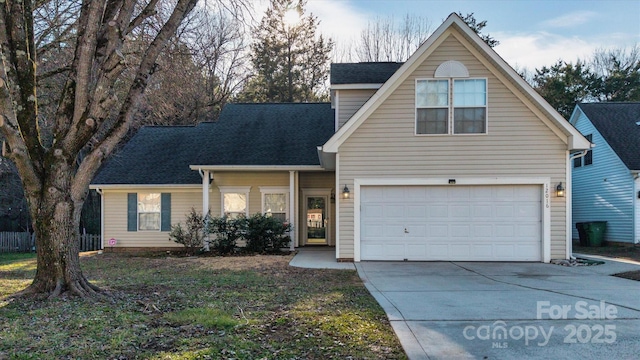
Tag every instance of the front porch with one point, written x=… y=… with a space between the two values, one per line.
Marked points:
x=304 y=196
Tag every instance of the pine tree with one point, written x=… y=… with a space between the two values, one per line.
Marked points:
x=291 y=62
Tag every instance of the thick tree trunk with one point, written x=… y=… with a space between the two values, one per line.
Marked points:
x=56 y=224
x=55 y=184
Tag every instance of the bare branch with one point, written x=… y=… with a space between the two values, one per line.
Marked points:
x=147 y=12
x=117 y=132
x=53 y=72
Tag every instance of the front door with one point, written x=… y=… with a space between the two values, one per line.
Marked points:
x=316 y=220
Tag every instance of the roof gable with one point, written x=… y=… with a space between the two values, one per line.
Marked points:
x=245 y=135
x=455 y=26
x=617 y=122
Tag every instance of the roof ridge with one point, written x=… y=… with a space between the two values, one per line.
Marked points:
x=281 y=103
x=168 y=126
x=368 y=62
x=609 y=102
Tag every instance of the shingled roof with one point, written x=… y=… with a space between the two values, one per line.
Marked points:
x=618 y=123
x=244 y=135
x=363 y=72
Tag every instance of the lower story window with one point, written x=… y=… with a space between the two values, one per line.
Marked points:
x=276 y=206
x=275 y=202
x=149 y=211
x=235 y=200
x=235 y=205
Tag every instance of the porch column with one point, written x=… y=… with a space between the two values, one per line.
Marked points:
x=205 y=204
x=292 y=208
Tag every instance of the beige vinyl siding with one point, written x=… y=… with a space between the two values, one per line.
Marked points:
x=517 y=144
x=349 y=101
x=115 y=216
x=320 y=180
x=182 y=200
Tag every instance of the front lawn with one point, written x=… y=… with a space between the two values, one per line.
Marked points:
x=252 y=307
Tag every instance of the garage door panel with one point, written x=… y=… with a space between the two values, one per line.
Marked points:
x=393 y=193
x=372 y=231
x=438 y=211
x=459 y=251
x=529 y=211
x=505 y=230
x=372 y=212
x=459 y=193
x=460 y=212
x=483 y=251
x=482 y=231
x=416 y=231
x=461 y=223
x=482 y=211
x=393 y=211
x=458 y=231
x=504 y=212
x=416 y=211
x=438 y=230
x=415 y=194
x=505 y=250
x=416 y=251
x=529 y=231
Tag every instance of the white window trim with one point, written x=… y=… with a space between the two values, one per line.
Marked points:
x=138 y=212
x=264 y=190
x=450 y=106
x=235 y=190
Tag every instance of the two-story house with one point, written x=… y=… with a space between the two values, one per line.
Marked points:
x=606 y=181
x=448 y=156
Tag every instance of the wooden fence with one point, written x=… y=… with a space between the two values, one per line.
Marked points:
x=12 y=242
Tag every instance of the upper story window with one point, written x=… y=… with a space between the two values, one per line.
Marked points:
x=451 y=102
x=452 y=106
x=587 y=159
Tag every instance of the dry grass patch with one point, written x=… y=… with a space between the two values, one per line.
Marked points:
x=249 y=307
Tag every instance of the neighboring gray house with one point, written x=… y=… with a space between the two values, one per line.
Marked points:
x=449 y=156
x=606 y=182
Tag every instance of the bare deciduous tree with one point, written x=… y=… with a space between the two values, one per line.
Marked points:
x=89 y=118
x=199 y=72
x=385 y=39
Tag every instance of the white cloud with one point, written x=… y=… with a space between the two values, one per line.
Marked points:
x=338 y=19
x=569 y=20
x=535 y=50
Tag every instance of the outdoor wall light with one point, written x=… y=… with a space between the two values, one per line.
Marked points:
x=345 y=192
x=560 y=190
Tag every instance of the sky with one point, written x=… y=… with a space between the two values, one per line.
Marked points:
x=532 y=33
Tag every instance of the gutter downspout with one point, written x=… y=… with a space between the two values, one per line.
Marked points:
x=635 y=207
x=569 y=202
x=99 y=191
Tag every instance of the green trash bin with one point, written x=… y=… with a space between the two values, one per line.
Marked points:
x=595 y=233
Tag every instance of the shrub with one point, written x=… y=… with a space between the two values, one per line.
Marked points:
x=192 y=235
x=227 y=231
x=266 y=234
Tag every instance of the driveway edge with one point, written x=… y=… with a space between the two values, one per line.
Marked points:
x=407 y=338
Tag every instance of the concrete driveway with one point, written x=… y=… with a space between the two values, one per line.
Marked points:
x=460 y=310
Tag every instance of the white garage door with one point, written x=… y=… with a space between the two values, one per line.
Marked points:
x=461 y=223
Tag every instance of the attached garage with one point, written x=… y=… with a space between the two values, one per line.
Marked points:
x=452 y=222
